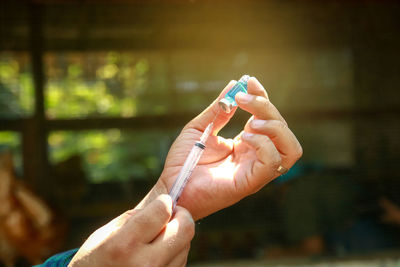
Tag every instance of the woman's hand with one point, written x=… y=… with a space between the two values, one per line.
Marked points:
x=141 y=237
x=231 y=169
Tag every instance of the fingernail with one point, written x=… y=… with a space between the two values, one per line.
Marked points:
x=243 y=98
x=246 y=135
x=257 y=123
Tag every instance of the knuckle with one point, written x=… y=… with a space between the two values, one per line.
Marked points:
x=275 y=161
x=187 y=248
x=299 y=151
x=280 y=125
x=141 y=218
x=126 y=216
x=265 y=145
x=162 y=209
x=265 y=102
x=266 y=142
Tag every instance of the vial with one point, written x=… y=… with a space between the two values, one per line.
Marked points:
x=228 y=102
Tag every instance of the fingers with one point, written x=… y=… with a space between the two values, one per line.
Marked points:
x=180 y=259
x=259 y=106
x=254 y=87
x=283 y=138
x=140 y=238
x=208 y=115
x=268 y=121
x=256 y=102
x=268 y=160
x=148 y=222
x=176 y=236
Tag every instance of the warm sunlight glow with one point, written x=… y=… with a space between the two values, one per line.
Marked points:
x=227 y=170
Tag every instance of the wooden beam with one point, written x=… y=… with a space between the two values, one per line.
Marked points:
x=12 y=124
x=179 y=120
x=208 y=26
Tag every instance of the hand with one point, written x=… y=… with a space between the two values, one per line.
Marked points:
x=231 y=169
x=141 y=237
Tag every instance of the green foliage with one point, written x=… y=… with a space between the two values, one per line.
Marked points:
x=112 y=154
x=16 y=85
x=106 y=84
x=96 y=84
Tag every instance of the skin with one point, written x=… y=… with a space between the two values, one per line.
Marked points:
x=152 y=236
x=229 y=170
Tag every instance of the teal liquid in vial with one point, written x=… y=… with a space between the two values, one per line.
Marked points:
x=228 y=102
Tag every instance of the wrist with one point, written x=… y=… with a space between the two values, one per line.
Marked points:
x=158 y=189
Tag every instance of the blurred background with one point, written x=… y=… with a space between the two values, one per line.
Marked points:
x=93 y=93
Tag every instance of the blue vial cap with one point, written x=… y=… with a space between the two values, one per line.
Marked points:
x=228 y=102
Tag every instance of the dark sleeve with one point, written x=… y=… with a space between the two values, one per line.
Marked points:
x=59 y=260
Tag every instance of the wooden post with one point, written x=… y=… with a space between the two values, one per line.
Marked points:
x=34 y=138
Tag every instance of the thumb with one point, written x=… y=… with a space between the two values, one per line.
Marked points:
x=207 y=116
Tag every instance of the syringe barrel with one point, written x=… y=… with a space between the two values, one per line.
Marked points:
x=186 y=171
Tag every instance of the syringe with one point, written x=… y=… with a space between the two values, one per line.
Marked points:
x=190 y=163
